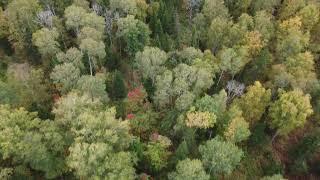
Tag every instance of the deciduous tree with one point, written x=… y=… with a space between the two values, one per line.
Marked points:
x=264 y=25
x=262 y=5
x=237 y=128
x=101 y=143
x=220 y=157
x=125 y=7
x=46 y=41
x=291 y=39
x=216 y=104
x=94 y=86
x=134 y=33
x=73 y=55
x=290 y=111
x=65 y=77
x=157 y=152
x=151 y=62
x=274 y=177
x=74 y=17
x=21 y=15
x=290 y=7
x=254 y=102
x=27 y=140
x=213 y=9
x=188 y=170
x=199 y=119
x=309 y=16
x=237 y=7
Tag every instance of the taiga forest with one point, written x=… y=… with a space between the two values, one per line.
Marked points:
x=160 y=89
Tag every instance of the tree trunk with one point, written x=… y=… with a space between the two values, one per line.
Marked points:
x=274 y=137
x=90 y=66
x=220 y=78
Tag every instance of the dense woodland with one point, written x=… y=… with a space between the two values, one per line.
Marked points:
x=160 y=89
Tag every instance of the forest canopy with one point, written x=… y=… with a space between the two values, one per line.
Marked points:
x=160 y=89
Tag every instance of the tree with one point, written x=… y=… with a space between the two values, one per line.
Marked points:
x=151 y=62
x=264 y=25
x=97 y=160
x=290 y=7
x=301 y=68
x=246 y=22
x=213 y=9
x=205 y=71
x=58 y=6
x=309 y=16
x=94 y=86
x=234 y=89
x=198 y=119
x=6 y=173
x=4 y=24
x=184 y=101
x=143 y=123
x=233 y=60
x=196 y=78
x=157 y=153
x=192 y=6
x=46 y=41
x=70 y=106
x=95 y=51
x=100 y=146
x=81 y=3
x=254 y=42
x=291 y=39
x=29 y=141
x=290 y=111
x=94 y=21
x=163 y=93
x=77 y=17
x=136 y=99
x=142 y=9
x=189 y=55
x=184 y=84
x=254 y=102
x=73 y=55
x=189 y=170
x=7 y=94
x=90 y=33
x=30 y=91
x=91 y=40
x=134 y=33
x=98 y=140
x=274 y=177
x=125 y=7
x=262 y=5
x=74 y=17
x=65 y=77
x=45 y=18
x=237 y=129
x=218 y=33
x=199 y=29
x=21 y=15
x=216 y=104
x=118 y=87
x=220 y=157
x=237 y=7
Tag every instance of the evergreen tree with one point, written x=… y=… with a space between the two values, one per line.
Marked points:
x=118 y=87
